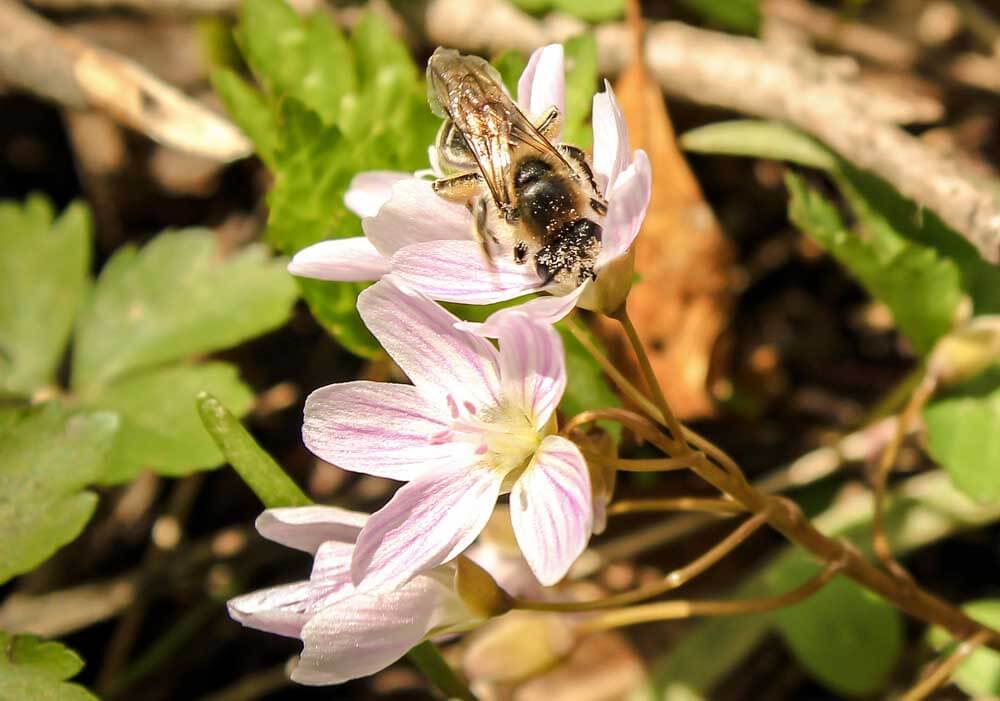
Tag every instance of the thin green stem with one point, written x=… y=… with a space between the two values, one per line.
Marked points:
x=428 y=659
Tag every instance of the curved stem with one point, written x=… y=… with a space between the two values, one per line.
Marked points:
x=939 y=675
x=652 y=465
x=672 y=610
x=427 y=658
x=714 y=506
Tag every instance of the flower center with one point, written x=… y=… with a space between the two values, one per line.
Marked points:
x=504 y=436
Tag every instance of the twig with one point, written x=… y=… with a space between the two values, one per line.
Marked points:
x=939 y=675
x=54 y=64
x=741 y=74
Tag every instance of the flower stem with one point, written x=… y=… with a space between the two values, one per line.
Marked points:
x=938 y=675
x=713 y=506
x=427 y=658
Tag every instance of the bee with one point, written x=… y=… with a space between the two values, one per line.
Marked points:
x=535 y=200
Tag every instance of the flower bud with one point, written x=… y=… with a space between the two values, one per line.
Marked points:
x=479 y=592
x=966 y=351
x=608 y=292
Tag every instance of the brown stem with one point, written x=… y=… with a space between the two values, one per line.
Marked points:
x=939 y=675
x=714 y=506
x=654 y=465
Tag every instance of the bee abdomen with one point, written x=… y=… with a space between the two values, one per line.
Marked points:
x=570 y=255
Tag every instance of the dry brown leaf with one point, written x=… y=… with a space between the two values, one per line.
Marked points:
x=683 y=300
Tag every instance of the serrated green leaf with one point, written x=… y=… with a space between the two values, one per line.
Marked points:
x=962 y=435
x=261 y=473
x=581 y=83
x=44 y=273
x=593 y=11
x=759 y=139
x=160 y=425
x=46 y=459
x=304 y=58
x=36 y=670
x=172 y=299
x=251 y=112
x=979 y=674
x=510 y=65
x=735 y=15
x=919 y=287
x=848 y=639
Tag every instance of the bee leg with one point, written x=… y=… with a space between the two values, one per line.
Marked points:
x=482 y=230
x=550 y=124
x=579 y=161
x=459 y=188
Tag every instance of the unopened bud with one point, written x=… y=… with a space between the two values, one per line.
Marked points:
x=608 y=292
x=479 y=591
x=521 y=645
x=967 y=351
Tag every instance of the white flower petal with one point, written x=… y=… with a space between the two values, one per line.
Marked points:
x=551 y=511
x=281 y=610
x=611 y=149
x=626 y=209
x=421 y=337
x=307 y=527
x=543 y=83
x=532 y=367
x=368 y=191
x=415 y=214
x=428 y=522
x=455 y=271
x=545 y=309
x=353 y=259
x=377 y=428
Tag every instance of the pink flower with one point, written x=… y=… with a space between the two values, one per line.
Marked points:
x=347 y=634
x=428 y=241
x=477 y=422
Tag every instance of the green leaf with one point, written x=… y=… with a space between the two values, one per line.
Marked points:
x=249 y=110
x=304 y=58
x=160 y=425
x=979 y=674
x=919 y=287
x=265 y=477
x=535 y=7
x=736 y=15
x=587 y=387
x=36 y=670
x=46 y=459
x=593 y=11
x=44 y=273
x=581 y=82
x=759 y=139
x=175 y=298
x=848 y=639
x=510 y=65
x=962 y=435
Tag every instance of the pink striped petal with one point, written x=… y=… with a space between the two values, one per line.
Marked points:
x=550 y=509
x=281 y=610
x=377 y=428
x=368 y=191
x=353 y=259
x=611 y=149
x=546 y=309
x=305 y=528
x=455 y=271
x=626 y=208
x=543 y=83
x=532 y=367
x=428 y=522
x=364 y=634
x=421 y=337
x=414 y=214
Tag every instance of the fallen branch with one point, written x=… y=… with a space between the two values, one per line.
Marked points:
x=819 y=96
x=52 y=63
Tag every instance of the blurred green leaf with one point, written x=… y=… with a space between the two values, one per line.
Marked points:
x=249 y=110
x=735 y=15
x=535 y=7
x=962 y=435
x=919 y=287
x=160 y=425
x=759 y=139
x=587 y=387
x=848 y=639
x=46 y=459
x=174 y=298
x=259 y=471
x=979 y=674
x=593 y=11
x=32 y=669
x=581 y=83
x=44 y=266
x=510 y=65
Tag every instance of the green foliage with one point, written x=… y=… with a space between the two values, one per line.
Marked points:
x=962 y=435
x=510 y=65
x=735 y=15
x=31 y=668
x=979 y=674
x=759 y=139
x=920 y=287
x=47 y=457
x=847 y=639
x=581 y=83
x=259 y=471
x=329 y=107
x=593 y=11
x=44 y=263
x=586 y=387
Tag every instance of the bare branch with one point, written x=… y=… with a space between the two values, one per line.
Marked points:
x=39 y=57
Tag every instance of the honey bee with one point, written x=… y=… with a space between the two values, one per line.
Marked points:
x=528 y=196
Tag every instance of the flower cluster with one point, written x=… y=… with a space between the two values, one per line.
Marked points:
x=477 y=422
